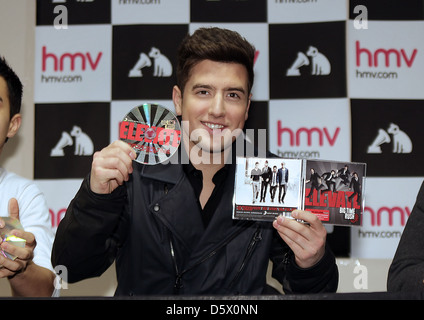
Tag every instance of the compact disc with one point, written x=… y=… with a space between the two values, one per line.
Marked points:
x=153 y=131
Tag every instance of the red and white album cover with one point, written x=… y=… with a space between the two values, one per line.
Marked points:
x=334 y=191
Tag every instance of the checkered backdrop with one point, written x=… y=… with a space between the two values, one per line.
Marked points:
x=335 y=79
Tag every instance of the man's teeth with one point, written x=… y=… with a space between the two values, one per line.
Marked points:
x=214 y=126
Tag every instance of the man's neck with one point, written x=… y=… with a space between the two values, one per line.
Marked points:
x=207 y=162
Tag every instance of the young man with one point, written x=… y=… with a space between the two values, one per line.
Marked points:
x=283 y=180
x=31 y=273
x=170 y=227
x=266 y=178
x=273 y=182
x=330 y=180
x=255 y=176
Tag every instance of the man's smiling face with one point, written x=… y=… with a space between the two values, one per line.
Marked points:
x=215 y=104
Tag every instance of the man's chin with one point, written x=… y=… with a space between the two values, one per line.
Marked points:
x=214 y=149
x=207 y=153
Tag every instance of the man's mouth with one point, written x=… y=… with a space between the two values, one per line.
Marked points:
x=213 y=126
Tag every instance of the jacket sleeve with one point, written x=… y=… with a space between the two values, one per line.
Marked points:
x=406 y=273
x=88 y=236
x=322 y=277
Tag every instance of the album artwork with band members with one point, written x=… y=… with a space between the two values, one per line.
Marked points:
x=268 y=187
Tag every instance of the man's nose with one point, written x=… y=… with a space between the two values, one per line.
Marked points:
x=217 y=107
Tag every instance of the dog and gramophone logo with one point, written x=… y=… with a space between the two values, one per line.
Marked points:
x=65 y=148
x=386 y=135
x=143 y=62
x=303 y=64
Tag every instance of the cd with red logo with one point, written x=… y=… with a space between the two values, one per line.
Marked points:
x=153 y=131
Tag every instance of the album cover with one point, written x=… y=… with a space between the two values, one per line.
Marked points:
x=334 y=191
x=268 y=187
x=259 y=195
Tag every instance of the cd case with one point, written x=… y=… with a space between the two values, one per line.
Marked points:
x=5 y=233
x=268 y=187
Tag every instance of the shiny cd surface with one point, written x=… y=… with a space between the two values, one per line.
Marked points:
x=153 y=131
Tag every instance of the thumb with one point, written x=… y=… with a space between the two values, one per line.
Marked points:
x=13 y=208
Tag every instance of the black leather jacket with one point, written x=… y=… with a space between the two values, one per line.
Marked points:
x=152 y=226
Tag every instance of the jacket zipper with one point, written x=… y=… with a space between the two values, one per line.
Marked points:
x=177 y=284
x=257 y=236
x=179 y=275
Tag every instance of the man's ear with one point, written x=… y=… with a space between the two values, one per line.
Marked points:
x=14 y=125
x=177 y=98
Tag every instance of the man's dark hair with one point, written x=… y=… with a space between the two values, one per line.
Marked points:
x=216 y=44
x=14 y=87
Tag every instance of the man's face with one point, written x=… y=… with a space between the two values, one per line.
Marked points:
x=8 y=127
x=214 y=105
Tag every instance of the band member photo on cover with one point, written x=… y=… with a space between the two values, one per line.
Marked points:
x=262 y=185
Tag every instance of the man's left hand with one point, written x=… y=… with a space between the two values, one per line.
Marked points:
x=307 y=241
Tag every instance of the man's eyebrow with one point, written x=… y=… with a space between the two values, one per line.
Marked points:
x=199 y=85
x=236 y=89
x=206 y=86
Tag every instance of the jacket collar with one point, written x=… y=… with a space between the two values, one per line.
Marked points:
x=189 y=226
x=167 y=172
x=171 y=170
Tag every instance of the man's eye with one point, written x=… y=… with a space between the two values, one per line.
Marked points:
x=233 y=95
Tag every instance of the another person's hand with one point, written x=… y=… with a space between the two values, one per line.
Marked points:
x=24 y=255
x=307 y=241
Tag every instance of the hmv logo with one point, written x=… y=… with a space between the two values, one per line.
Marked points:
x=73 y=61
x=376 y=215
x=295 y=137
x=384 y=57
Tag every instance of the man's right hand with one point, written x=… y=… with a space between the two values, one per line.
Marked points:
x=111 y=167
